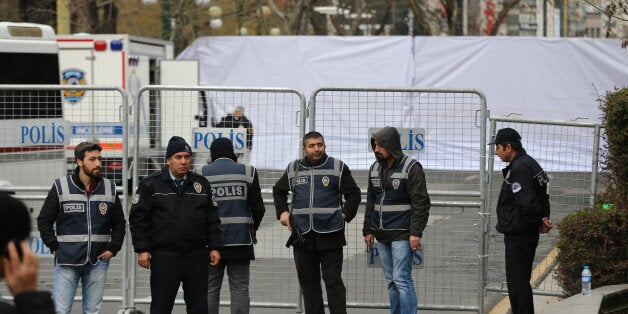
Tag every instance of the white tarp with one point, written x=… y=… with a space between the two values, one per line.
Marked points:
x=540 y=78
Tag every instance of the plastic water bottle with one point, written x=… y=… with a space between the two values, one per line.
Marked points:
x=586 y=281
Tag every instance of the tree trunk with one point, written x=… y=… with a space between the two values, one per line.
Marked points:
x=502 y=15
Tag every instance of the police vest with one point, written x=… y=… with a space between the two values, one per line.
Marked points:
x=230 y=183
x=316 y=196
x=391 y=198
x=84 y=222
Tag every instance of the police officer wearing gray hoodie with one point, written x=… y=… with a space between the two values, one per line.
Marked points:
x=397 y=209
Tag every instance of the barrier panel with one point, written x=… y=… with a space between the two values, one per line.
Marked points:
x=568 y=151
x=195 y=113
x=41 y=125
x=442 y=129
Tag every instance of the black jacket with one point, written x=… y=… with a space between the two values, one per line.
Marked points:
x=315 y=240
x=164 y=221
x=34 y=302
x=523 y=200
x=231 y=121
x=419 y=199
x=50 y=210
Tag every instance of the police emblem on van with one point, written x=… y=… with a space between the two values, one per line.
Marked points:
x=102 y=207
x=395 y=183
x=197 y=187
x=73 y=208
x=73 y=77
x=325 y=180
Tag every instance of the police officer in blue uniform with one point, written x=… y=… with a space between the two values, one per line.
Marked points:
x=397 y=210
x=90 y=230
x=318 y=183
x=175 y=231
x=236 y=189
x=523 y=211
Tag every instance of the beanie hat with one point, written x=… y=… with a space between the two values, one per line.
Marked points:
x=222 y=147
x=16 y=221
x=177 y=144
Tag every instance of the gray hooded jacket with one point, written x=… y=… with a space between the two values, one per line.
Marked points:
x=388 y=137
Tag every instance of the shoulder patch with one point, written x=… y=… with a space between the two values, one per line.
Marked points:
x=516 y=187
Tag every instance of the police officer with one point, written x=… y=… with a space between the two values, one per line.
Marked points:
x=523 y=211
x=318 y=183
x=397 y=210
x=175 y=231
x=236 y=189
x=90 y=230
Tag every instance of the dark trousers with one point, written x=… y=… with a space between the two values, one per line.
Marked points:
x=520 y=250
x=310 y=264
x=166 y=274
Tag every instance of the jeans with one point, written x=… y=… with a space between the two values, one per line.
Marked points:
x=396 y=258
x=93 y=279
x=310 y=265
x=238 y=272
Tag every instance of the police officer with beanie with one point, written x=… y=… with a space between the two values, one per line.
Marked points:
x=175 y=231
x=318 y=183
x=90 y=230
x=235 y=187
x=523 y=211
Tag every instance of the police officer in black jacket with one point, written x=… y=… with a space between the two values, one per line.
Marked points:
x=175 y=231
x=318 y=183
x=523 y=211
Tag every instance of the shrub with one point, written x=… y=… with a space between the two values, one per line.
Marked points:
x=594 y=237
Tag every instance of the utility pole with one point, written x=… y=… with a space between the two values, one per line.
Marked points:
x=63 y=17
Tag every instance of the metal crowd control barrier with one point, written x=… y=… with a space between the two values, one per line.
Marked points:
x=41 y=126
x=444 y=130
x=569 y=153
x=193 y=113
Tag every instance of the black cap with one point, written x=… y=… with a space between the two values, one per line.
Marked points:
x=222 y=147
x=506 y=135
x=15 y=223
x=177 y=144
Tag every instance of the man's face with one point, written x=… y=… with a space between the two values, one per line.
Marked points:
x=90 y=164
x=314 y=149
x=504 y=151
x=237 y=113
x=381 y=154
x=179 y=164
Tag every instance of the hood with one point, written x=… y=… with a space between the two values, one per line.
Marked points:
x=389 y=138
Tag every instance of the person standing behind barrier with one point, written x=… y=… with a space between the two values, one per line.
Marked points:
x=318 y=183
x=235 y=187
x=175 y=231
x=18 y=264
x=90 y=230
x=397 y=209
x=523 y=211
x=237 y=119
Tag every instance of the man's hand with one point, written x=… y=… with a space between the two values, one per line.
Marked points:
x=214 y=257
x=20 y=275
x=546 y=225
x=284 y=219
x=415 y=242
x=369 y=239
x=143 y=259
x=106 y=255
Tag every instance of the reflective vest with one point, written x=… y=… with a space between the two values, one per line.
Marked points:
x=84 y=222
x=391 y=198
x=316 y=195
x=230 y=183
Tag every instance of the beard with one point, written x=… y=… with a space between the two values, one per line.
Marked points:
x=380 y=157
x=93 y=173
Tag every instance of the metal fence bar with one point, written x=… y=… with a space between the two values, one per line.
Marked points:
x=278 y=123
x=344 y=115
x=569 y=152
